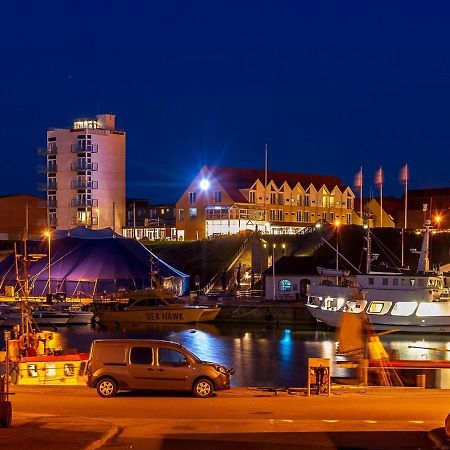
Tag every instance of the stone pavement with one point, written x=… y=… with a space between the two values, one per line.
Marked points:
x=31 y=431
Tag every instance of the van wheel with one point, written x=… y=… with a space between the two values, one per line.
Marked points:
x=203 y=388
x=106 y=387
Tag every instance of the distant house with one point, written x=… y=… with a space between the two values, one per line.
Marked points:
x=146 y=220
x=293 y=274
x=375 y=216
x=222 y=200
x=431 y=204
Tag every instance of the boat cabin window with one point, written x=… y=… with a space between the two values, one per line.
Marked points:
x=371 y=281
x=285 y=285
x=32 y=370
x=170 y=357
x=69 y=370
x=403 y=308
x=385 y=281
x=421 y=282
x=395 y=282
x=50 y=370
x=141 y=355
x=375 y=307
x=412 y=282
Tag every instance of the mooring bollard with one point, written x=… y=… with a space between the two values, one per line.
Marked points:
x=421 y=381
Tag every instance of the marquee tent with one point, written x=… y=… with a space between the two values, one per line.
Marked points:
x=86 y=262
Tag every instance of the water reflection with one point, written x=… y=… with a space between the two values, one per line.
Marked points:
x=261 y=355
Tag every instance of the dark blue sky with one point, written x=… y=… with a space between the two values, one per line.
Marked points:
x=329 y=86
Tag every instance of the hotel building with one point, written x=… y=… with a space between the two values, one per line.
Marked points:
x=223 y=200
x=85 y=174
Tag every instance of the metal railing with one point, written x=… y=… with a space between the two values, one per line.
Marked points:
x=47 y=203
x=49 y=186
x=82 y=166
x=84 y=223
x=84 y=202
x=47 y=168
x=84 y=148
x=51 y=149
x=84 y=184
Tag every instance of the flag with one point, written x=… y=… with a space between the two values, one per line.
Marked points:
x=404 y=174
x=358 y=179
x=379 y=177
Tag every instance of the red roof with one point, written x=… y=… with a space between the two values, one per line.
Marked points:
x=234 y=179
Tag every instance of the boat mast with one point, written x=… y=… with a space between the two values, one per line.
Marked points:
x=368 y=251
x=424 y=259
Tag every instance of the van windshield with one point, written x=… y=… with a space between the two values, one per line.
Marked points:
x=192 y=355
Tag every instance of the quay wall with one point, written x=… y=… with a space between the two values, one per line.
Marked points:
x=296 y=314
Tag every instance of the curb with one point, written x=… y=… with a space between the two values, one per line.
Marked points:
x=439 y=438
x=110 y=434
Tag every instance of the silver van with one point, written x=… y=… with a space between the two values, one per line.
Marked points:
x=132 y=364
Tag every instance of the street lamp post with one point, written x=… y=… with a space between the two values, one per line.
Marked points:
x=337 y=223
x=48 y=234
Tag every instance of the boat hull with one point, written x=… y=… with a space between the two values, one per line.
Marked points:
x=62 y=370
x=191 y=314
x=412 y=324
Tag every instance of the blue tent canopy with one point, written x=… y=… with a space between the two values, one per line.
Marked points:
x=90 y=262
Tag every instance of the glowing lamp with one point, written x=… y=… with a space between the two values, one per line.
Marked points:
x=204 y=184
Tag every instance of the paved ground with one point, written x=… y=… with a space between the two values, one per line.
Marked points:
x=76 y=418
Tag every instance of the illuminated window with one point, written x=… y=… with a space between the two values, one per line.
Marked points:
x=375 y=308
x=273 y=198
x=32 y=370
x=404 y=308
x=299 y=216
x=50 y=370
x=284 y=285
x=350 y=203
x=217 y=196
x=181 y=214
x=192 y=197
x=306 y=217
x=252 y=197
x=192 y=213
x=412 y=282
x=69 y=370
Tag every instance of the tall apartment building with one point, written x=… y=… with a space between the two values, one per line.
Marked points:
x=223 y=200
x=85 y=174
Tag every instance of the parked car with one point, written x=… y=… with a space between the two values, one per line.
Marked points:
x=143 y=364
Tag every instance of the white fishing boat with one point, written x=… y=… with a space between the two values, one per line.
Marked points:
x=417 y=302
x=158 y=306
x=78 y=313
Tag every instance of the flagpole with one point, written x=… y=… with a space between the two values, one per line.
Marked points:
x=406 y=196
x=381 y=197
x=265 y=186
x=361 y=196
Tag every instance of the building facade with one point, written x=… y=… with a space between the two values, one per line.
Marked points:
x=85 y=174
x=223 y=200
x=154 y=222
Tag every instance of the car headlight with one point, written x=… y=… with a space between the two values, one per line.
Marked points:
x=220 y=369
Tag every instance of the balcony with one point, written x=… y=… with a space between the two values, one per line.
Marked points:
x=81 y=166
x=76 y=221
x=49 y=203
x=84 y=148
x=49 y=186
x=51 y=149
x=47 y=168
x=84 y=202
x=84 y=184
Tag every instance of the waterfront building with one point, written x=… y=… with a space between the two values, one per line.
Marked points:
x=375 y=216
x=85 y=174
x=153 y=222
x=427 y=204
x=222 y=200
x=14 y=211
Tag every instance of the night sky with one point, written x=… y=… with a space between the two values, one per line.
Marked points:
x=329 y=86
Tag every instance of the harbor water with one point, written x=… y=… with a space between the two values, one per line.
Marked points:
x=263 y=355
